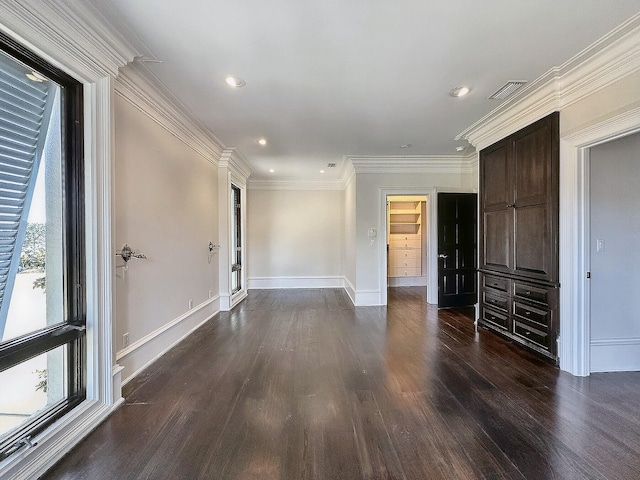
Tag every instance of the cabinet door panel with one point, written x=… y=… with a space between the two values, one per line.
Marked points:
x=496 y=173
x=532 y=242
x=498 y=238
x=532 y=155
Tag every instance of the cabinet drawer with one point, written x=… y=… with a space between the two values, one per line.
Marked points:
x=530 y=292
x=405 y=272
x=405 y=262
x=536 y=316
x=404 y=236
x=500 y=320
x=496 y=283
x=531 y=333
x=495 y=301
x=405 y=243
x=404 y=253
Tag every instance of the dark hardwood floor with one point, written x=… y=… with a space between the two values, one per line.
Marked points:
x=299 y=384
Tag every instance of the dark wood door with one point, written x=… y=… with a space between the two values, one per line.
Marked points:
x=457 y=249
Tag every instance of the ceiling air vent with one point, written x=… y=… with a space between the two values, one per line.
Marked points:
x=507 y=90
x=331 y=165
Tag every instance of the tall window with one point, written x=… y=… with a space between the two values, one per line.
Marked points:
x=236 y=241
x=42 y=268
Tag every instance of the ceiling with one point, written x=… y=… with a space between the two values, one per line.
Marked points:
x=329 y=78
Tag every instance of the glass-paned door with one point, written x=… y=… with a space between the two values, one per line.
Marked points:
x=236 y=240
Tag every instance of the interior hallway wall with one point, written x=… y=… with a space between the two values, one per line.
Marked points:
x=294 y=238
x=166 y=207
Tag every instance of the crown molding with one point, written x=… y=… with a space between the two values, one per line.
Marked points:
x=613 y=57
x=136 y=85
x=354 y=165
x=413 y=164
x=232 y=159
x=347 y=174
x=71 y=35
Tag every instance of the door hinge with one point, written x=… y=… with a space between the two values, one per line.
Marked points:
x=588 y=274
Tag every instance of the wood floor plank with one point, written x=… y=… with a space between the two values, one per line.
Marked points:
x=300 y=384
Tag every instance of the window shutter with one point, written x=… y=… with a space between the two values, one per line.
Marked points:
x=25 y=110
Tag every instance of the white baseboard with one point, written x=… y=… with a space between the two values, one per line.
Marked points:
x=360 y=298
x=256 y=283
x=367 y=298
x=350 y=289
x=116 y=378
x=142 y=353
x=615 y=355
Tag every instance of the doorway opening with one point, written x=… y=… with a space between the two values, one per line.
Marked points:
x=613 y=256
x=237 y=283
x=407 y=241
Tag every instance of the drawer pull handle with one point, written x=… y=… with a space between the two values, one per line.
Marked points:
x=527 y=292
x=527 y=313
x=527 y=333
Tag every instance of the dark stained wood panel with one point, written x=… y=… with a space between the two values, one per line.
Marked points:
x=533 y=255
x=498 y=240
x=302 y=385
x=532 y=165
x=497 y=191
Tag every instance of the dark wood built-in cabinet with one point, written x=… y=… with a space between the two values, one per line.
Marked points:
x=519 y=192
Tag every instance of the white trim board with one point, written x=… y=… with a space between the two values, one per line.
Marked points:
x=575 y=338
x=258 y=283
x=615 y=355
x=167 y=326
x=192 y=320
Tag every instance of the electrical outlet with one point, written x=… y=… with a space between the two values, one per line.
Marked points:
x=190 y=304
x=125 y=340
x=210 y=293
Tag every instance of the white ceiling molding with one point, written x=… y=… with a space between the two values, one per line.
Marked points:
x=232 y=159
x=353 y=165
x=71 y=35
x=134 y=85
x=613 y=57
x=413 y=164
x=347 y=173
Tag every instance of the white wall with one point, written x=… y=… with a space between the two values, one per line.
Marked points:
x=166 y=207
x=295 y=238
x=615 y=277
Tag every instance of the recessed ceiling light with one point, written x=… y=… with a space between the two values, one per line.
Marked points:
x=262 y=141
x=406 y=145
x=35 y=77
x=235 y=82
x=459 y=148
x=459 y=91
x=271 y=170
x=321 y=171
